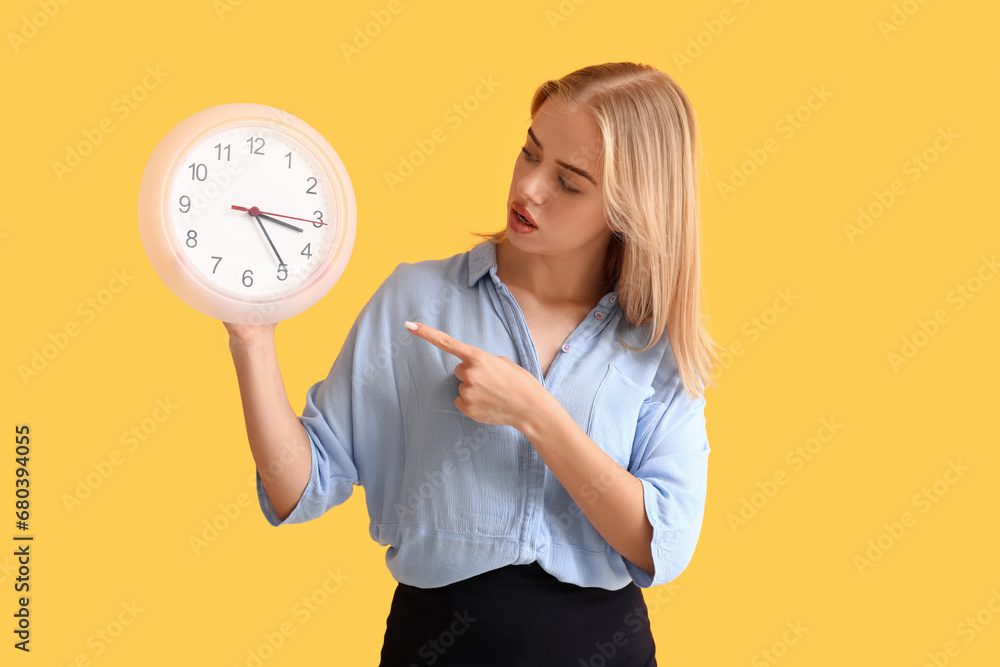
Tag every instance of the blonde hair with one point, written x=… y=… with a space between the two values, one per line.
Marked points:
x=649 y=136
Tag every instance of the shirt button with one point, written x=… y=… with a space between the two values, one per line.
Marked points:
x=565 y=347
x=614 y=297
x=599 y=315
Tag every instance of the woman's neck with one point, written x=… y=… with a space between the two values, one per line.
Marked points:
x=570 y=278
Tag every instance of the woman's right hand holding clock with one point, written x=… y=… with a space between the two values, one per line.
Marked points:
x=246 y=335
x=278 y=441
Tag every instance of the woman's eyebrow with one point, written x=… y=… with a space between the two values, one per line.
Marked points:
x=561 y=163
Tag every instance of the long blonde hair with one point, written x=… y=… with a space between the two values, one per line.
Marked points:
x=649 y=137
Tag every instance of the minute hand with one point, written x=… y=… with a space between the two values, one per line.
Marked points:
x=268 y=237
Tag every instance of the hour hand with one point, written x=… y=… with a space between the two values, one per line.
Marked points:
x=280 y=222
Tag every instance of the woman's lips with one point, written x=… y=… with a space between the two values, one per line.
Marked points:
x=520 y=210
x=521 y=218
x=517 y=225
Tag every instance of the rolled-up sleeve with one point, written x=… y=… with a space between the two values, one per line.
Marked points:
x=670 y=458
x=333 y=409
x=333 y=474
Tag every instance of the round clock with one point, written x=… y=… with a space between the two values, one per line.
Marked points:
x=246 y=213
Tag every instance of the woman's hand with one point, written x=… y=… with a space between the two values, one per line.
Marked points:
x=492 y=389
x=248 y=334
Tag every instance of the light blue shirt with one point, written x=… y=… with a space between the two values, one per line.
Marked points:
x=452 y=497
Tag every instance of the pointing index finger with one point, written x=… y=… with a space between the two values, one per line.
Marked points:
x=442 y=340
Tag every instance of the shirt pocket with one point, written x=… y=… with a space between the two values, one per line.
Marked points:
x=614 y=415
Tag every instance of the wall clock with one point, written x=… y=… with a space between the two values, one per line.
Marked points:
x=246 y=213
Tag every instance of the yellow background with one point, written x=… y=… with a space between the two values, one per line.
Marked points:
x=825 y=357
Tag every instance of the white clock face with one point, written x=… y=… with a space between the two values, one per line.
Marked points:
x=290 y=223
x=246 y=213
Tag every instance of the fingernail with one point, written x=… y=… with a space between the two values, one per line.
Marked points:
x=410 y=325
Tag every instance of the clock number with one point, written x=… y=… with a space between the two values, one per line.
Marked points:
x=247 y=278
x=289 y=156
x=282 y=271
x=192 y=239
x=185 y=203
x=306 y=251
x=254 y=148
x=198 y=171
x=309 y=190
x=217 y=260
x=319 y=216
x=219 y=148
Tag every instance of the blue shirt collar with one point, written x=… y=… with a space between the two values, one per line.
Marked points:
x=482 y=258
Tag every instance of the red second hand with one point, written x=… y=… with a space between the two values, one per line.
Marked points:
x=253 y=210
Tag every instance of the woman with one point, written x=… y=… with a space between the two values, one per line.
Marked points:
x=541 y=454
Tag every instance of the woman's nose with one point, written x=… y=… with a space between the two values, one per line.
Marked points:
x=532 y=187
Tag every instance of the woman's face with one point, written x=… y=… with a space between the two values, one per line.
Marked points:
x=557 y=184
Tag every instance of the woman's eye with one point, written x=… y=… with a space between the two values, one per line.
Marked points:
x=566 y=186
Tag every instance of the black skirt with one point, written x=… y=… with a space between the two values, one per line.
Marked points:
x=518 y=615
